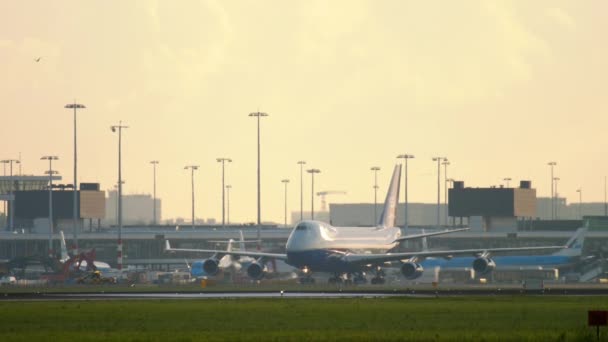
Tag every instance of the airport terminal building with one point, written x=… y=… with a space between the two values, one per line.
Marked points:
x=499 y=217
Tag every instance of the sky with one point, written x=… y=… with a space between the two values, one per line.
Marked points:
x=500 y=88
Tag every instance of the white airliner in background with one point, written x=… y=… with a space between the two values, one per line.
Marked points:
x=349 y=252
x=100 y=265
x=212 y=266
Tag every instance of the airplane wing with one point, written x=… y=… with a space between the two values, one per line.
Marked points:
x=252 y=254
x=379 y=258
x=418 y=236
x=224 y=241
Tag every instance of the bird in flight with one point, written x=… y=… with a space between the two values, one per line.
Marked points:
x=37 y=59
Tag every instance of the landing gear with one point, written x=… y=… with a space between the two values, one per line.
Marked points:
x=348 y=278
x=379 y=278
x=306 y=277
x=307 y=280
x=359 y=279
x=336 y=279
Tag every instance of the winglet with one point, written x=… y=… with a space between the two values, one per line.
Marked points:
x=389 y=213
x=167 y=246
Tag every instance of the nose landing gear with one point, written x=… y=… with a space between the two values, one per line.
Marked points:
x=306 y=277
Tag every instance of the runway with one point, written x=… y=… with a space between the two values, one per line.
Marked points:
x=213 y=295
x=112 y=293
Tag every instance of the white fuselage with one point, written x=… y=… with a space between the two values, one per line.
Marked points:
x=315 y=235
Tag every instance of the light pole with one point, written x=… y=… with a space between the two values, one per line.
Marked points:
x=445 y=164
x=154 y=163
x=258 y=115
x=605 y=202
x=405 y=157
x=228 y=187
x=11 y=209
x=301 y=163
x=50 y=172
x=555 y=180
x=450 y=183
x=507 y=180
x=375 y=169
x=4 y=174
x=580 y=202
x=114 y=128
x=192 y=169
x=285 y=181
x=439 y=160
x=552 y=164
x=223 y=161
x=75 y=106
x=312 y=195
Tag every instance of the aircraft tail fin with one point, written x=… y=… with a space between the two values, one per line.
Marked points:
x=389 y=213
x=229 y=247
x=242 y=241
x=574 y=246
x=64 y=248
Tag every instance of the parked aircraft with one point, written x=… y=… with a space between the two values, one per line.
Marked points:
x=349 y=252
x=212 y=266
x=82 y=265
x=563 y=258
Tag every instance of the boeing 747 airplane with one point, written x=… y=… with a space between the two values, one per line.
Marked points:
x=348 y=253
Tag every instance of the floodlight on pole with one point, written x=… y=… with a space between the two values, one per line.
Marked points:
x=119 y=128
x=552 y=164
x=154 y=164
x=580 y=203
x=445 y=163
x=450 y=183
x=285 y=181
x=228 y=187
x=605 y=201
x=192 y=168
x=51 y=173
x=312 y=195
x=439 y=160
x=75 y=106
x=375 y=169
x=301 y=163
x=223 y=161
x=507 y=180
x=259 y=115
x=405 y=157
x=555 y=180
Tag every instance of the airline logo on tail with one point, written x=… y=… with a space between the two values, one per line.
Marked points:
x=389 y=213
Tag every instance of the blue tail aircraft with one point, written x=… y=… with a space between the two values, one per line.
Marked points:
x=484 y=264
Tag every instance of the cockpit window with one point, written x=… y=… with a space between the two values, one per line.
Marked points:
x=301 y=226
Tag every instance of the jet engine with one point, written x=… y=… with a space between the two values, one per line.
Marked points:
x=483 y=265
x=256 y=270
x=211 y=266
x=411 y=270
